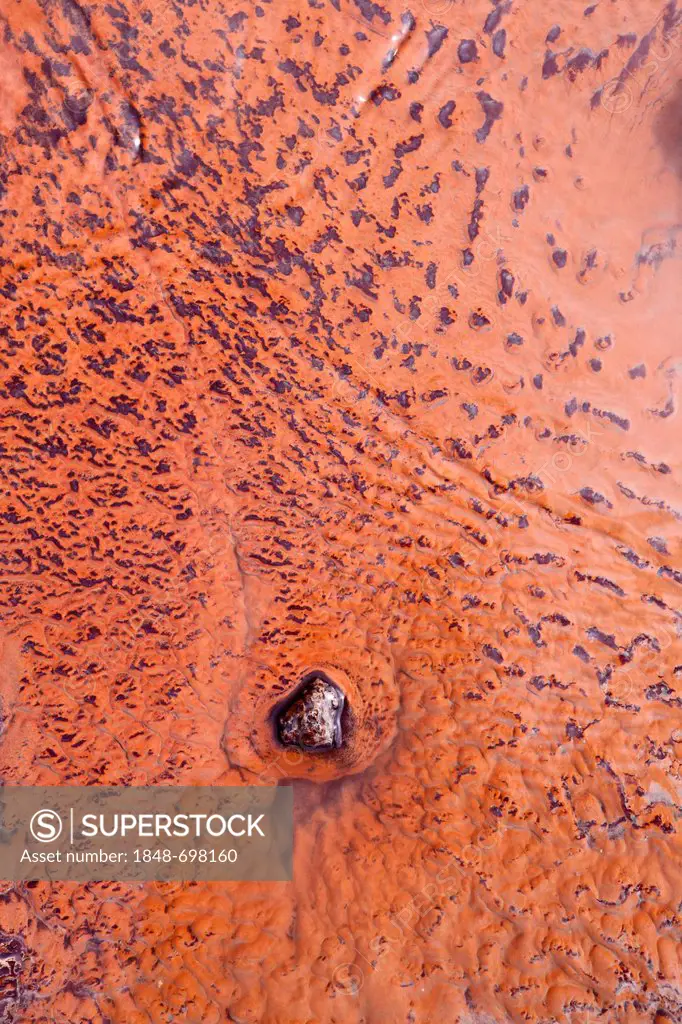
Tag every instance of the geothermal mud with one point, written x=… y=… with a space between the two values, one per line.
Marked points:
x=343 y=338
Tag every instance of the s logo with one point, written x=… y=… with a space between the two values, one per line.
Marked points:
x=46 y=826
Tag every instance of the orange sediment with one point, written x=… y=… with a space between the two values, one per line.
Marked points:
x=346 y=339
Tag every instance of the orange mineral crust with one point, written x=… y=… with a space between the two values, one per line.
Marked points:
x=344 y=338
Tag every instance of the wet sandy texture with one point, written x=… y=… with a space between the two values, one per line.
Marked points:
x=344 y=337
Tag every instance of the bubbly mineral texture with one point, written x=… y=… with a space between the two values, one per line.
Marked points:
x=313 y=720
x=12 y=956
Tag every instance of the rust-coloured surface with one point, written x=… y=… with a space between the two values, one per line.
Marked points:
x=344 y=337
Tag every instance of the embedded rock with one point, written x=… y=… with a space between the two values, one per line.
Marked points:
x=312 y=720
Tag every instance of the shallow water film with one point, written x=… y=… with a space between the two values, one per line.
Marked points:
x=341 y=341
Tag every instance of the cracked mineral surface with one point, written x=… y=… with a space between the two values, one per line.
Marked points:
x=313 y=720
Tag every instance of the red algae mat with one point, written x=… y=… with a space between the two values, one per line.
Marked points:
x=344 y=336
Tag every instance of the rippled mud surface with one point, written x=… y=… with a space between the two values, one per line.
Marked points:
x=343 y=337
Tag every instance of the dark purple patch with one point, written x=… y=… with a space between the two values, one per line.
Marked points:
x=444 y=114
x=492 y=110
x=499 y=42
x=435 y=38
x=593 y=497
x=467 y=51
x=493 y=653
x=549 y=65
x=408 y=146
x=520 y=197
